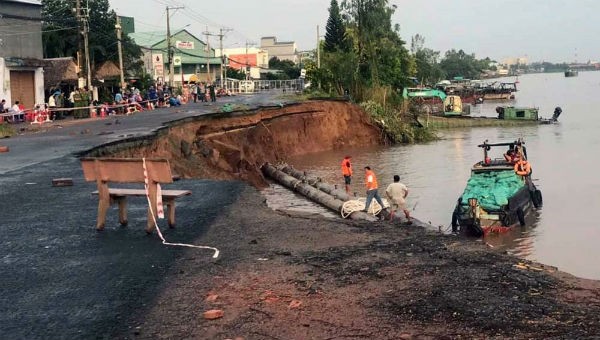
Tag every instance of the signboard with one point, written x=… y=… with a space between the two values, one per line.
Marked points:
x=177 y=60
x=159 y=71
x=302 y=73
x=157 y=59
x=184 y=45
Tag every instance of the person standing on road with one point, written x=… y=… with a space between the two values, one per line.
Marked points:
x=347 y=172
x=371 y=183
x=213 y=94
x=396 y=194
x=195 y=92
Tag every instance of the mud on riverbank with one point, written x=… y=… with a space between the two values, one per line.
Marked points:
x=298 y=277
x=235 y=145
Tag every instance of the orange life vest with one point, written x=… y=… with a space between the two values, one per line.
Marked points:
x=370 y=180
x=346 y=167
x=522 y=168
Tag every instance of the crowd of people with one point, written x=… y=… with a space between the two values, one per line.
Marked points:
x=124 y=101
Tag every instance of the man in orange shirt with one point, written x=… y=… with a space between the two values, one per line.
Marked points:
x=371 y=183
x=347 y=172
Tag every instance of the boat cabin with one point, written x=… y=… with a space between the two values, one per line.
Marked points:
x=517 y=113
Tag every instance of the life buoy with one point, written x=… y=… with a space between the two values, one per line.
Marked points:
x=522 y=168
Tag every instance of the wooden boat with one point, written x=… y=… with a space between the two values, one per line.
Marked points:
x=498 y=195
x=498 y=91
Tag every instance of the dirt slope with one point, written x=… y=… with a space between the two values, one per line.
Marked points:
x=235 y=145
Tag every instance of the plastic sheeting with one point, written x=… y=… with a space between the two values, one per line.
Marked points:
x=492 y=189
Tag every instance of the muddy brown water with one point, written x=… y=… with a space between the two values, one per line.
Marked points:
x=565 y=163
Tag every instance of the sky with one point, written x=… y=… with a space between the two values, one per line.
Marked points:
x=540 y=30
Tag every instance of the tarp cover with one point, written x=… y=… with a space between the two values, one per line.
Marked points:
x=492 y=189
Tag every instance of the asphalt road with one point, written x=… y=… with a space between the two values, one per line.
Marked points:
x=60 y=278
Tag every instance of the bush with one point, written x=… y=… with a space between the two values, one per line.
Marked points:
x=397 y=127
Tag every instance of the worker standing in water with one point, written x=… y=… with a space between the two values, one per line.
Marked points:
x=371 y=183
x=347 y=172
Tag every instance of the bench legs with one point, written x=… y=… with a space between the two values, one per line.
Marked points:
x=170 y=204
x=103 y=206
x=122 y=201
x=102 y=209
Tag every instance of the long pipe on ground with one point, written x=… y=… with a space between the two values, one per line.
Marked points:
x=332 y=190
x=317 y=183
x=310 y=192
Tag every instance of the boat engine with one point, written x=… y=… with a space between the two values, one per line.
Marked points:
x=500 y=111
x=557 y=112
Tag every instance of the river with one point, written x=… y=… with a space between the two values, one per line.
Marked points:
x=564 y=233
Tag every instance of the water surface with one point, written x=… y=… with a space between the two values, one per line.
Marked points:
x=564 y=158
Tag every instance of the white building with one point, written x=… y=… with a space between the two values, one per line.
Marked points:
x=283 y=50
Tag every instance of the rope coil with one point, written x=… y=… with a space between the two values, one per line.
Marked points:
x=358 y=204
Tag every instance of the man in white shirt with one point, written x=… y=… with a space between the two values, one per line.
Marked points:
x=396 y=193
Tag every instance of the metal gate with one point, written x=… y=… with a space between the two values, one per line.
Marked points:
x=22 y=88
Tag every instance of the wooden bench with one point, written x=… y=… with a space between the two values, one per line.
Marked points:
x=130 y=170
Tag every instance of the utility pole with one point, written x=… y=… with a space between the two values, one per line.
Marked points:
x=77 y=11
x=86 y=30
x=120 y=49
x=207 y=33
x=221 y=34
x=170 y=48
x=247 y=67
x=318 y=48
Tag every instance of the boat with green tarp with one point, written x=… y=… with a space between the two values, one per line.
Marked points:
x=499 y=193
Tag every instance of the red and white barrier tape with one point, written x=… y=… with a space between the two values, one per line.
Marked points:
x=161 y=211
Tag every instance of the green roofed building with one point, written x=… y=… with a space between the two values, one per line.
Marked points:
x=192 y=59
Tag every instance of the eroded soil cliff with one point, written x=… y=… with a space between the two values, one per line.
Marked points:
x=235 y=145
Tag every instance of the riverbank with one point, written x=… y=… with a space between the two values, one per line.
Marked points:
x=279 y=276
x=302 y=277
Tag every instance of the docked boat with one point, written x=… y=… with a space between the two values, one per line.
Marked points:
x=571 y=73
x=526 y=114
x=453 y=106
x=498 y=91
x=499 y=193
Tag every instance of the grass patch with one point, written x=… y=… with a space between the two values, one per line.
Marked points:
x=6 y=131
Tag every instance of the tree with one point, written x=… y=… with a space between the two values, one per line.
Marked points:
x=61 y=36
x=427 y=61
x=335 y=32
x=460 y=64
x=289 y=69
x=382 y=57
x=234 y=73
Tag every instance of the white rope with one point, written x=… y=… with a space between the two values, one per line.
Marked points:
x=359 y=205
x=216 y=254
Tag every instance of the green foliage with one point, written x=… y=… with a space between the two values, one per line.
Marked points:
x=234 y=73
x=460 y=64
x=382 y=56
x=288 y=68
x=427 y=62
x=396 y=127
x=6 y=131
x=335 y=32
x=61 y=37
